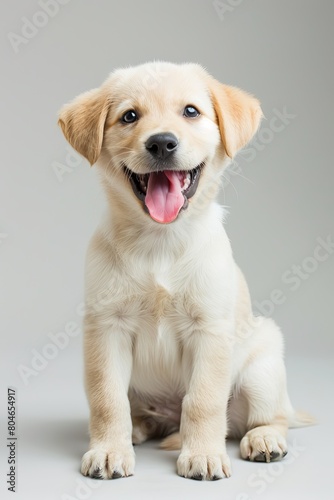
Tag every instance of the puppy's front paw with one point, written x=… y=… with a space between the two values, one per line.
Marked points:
x=263 y=444
x=202 y=467
x=103 y=464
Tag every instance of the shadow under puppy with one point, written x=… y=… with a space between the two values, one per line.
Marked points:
x=171 y=345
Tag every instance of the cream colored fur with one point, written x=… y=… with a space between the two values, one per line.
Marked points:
x=170 y=340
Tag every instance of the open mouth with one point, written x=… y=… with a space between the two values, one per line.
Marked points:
x=166 y=192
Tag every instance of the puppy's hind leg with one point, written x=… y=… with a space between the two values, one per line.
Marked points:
x=143 y=429
x=156 y=420
x=263 y=382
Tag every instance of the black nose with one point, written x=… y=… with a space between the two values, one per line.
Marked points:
x=161 y=145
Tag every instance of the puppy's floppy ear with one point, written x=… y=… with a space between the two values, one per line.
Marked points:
x=239 y=115
x=83 y=120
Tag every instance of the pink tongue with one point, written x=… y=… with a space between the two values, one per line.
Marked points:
x=164 y=198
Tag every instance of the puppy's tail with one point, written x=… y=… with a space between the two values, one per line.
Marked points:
x=301 y=419
x=171 y=442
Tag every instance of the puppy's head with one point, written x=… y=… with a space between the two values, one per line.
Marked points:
x=162 y=134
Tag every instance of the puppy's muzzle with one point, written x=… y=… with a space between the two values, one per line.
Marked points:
x=162 y=146
x=164 y=189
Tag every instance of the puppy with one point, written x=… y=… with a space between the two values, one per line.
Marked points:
x=171 y=345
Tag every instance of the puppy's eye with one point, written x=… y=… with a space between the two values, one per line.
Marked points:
x=191 y=112
x=130 y=116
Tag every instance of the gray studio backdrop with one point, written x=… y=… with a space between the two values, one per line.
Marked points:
x=279 y=191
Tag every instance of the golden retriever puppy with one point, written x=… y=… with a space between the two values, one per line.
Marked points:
x=171 y=346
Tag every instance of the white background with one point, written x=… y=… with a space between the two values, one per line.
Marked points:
x=280 y=203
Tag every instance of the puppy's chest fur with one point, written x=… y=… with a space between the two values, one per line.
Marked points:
x=178 y=302
x=158 y=342
x=162 y=300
